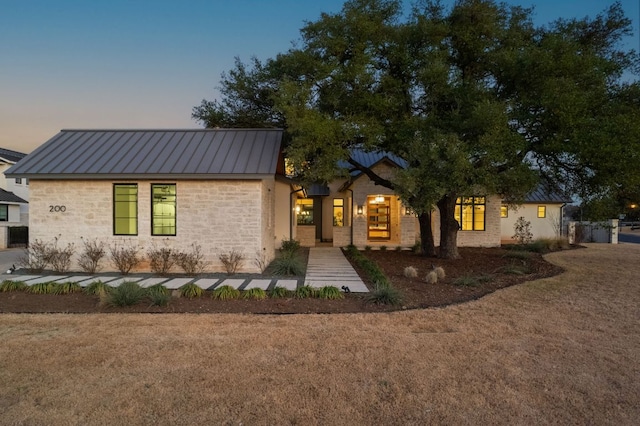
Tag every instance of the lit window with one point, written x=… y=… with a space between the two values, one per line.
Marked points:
x=338 y=212
x=470 y=213
x=125 y=209
x=542 y=211
x=163 y=212
x=304 y=211
x=379 y=218
x=4 y=212
x=504 y=211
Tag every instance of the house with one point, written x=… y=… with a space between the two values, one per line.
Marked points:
x=542 y=208
x=356 y=211
x=223 y=189
x=14 y=197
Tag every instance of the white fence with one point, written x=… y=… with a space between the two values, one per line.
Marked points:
x=593 y=232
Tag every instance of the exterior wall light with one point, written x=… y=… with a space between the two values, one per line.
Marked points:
x=360 y=210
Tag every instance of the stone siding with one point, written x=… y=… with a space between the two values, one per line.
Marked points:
x=306 y=235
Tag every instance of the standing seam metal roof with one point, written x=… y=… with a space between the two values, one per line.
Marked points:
x=76 y=154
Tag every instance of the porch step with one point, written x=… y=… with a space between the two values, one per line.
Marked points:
x=327 y=266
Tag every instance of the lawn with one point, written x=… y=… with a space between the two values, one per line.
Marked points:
x=561 y=350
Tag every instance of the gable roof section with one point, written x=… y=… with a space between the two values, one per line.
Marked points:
x=10 y=197
x=10 y=156
x=543 y=195
x=369 y=159
x=125 y=154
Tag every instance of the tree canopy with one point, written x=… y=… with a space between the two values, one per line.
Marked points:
x=476 y=98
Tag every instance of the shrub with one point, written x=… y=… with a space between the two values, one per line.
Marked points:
x=8 y=285
x=225 y=292
x=66 y=288
x=466 y=281
x=290 y=246
x=552 y=244
x=41 y=288
x=60 y=258
x=190 y=291
x=304 y=292
x=431 y=278
x=410 y=272
x=192 y=262
x=372 y=270
x=330 y=292
x=398 y=248
x=158 y=288
x=260 y=261
x=522 y=230
x=126 y=294
x=280 y=293
x=232 y=261
x=514 y=269
x=287 y=265
x=367 y=248
x=417 y=247
x=125 y=258
x=518 y=254
x=383 y=248
x=90 y=258
x=254 y=293
x=98 y=288
x=439 y=270
x=35 y=257
x=158 y=298
x=385 y=295
x=161 y=260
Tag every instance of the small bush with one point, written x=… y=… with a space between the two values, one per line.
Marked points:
x=522 y=229
x=225 y=292
x=60 y=258
x=41 y=288
x=125 y=258
x=514 y=269
x=158 y=298
x=466 y=281
x=254 y=293
x=98 y=288
x=280 y=293
x=330 y=292
x=161 y=260
x=191 y=291
x=367 y=248
x=8 y=285
x=92 y=254
x=417 y=247
x=192 y=263
x=67 y=288
x=287 y=265
x=552 y=244
x=385 y=295
x=383 y=248
x=260 y=261
x=232 y=261
x=158 y=288
x=398 y=248
x=518 y=254
x=126 y=294
x=431 y=278
x=304 y=292
x=290 y=246
x=35 y=257
x=410 y=272
x=439 y=270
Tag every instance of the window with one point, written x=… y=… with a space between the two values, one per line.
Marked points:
x=338 y=212
x=4 y=212
x=18 y=181
x=379 y=218
x=542 y=211
x=163 y=209
x=470 y=213
x=504 y=211
x=304 y=211
x=125 y=209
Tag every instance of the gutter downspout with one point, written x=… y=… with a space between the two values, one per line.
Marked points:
x=290 y=210
x=351 y=215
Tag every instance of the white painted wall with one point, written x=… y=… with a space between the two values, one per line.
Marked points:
x=541 y=227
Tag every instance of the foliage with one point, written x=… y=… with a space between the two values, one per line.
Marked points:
x=225 y=292
x=518 y=254
x=287 y=264
x=191 y=262
x=290 y=246
x=304 y=292
x=522 y=231
x=158 y=298
x=260 y=261
x=41 y=288
x=191 y=291
x=330 y=292
x=231 y=261
x=254 y=293
x=161 y=260
x=98 y=288
x=466 y=281
x=516 y=269
x=92 y=254
x=67 y=288
x=126 y=294
x=158 y=288
x=35 y=257
x=385 y=295
x=124 y=257
x=372 y=270
x=439 y=270
x=431 y=278
x=410 y=272
x=9 y=285
x=60 y=258
x=383 y=248
x=280 y=293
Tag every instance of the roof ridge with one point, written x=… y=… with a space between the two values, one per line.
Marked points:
x=225 y=129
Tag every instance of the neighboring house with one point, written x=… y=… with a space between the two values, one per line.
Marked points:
x=14 y=197
x=542 y=208
x=356 y=211
x=221 y=189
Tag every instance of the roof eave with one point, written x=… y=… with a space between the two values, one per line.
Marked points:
x=150 y=176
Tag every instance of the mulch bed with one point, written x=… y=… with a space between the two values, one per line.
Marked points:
x=474 y=262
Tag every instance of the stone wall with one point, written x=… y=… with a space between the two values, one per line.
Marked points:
x=306 y=235
x=220 y=216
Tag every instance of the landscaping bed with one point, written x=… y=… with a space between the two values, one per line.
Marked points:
x=479 y=271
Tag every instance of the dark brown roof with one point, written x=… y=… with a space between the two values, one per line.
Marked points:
x=124 y=154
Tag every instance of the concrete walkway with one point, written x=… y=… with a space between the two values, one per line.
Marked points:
x=328 y=266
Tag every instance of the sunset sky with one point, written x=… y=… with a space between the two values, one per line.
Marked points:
x=146 y=64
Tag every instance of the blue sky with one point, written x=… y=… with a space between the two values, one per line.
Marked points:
x=145 y=64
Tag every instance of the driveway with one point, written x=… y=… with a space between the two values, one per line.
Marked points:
x=9 y=257
x=626 y=235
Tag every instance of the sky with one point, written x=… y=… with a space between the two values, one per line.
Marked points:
x=77 y=64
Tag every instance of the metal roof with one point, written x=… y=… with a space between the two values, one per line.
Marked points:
x=11 y=156
x=543 y=195
x=123 y=154
x=368 y=159
x=10 y=197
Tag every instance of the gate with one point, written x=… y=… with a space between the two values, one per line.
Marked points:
x=18 y=236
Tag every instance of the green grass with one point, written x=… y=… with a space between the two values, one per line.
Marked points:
x=98 y=288
x=126 y=294
x=385 y=295
x=191 y=291
x=330 y=293
x=158 y=288
x=255 y=294
x=9 y=285
x=158 y=298
x=41 y=288
x=304 y=292
x=225 y=292
x=280 y=293
x=288 y=264
x=67 y=288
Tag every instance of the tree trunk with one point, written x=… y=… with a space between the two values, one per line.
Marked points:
x=426 y=235
x=448 y=227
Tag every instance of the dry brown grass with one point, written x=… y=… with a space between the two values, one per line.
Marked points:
x=564 y=350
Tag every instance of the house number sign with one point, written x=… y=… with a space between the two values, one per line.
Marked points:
x=56 y=209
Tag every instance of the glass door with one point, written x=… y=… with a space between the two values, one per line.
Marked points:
x=379 y=218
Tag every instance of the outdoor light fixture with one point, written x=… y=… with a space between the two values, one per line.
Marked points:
x=379 y=199
x=360 y=210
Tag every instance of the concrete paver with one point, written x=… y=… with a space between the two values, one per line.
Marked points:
x=288 y=284
x=233 y=282
x=327 y=266
x=206 y=283
x=263 y=284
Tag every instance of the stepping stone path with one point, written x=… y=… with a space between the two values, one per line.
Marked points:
x=328 y=266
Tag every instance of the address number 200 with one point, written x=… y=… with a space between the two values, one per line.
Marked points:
x=56 y=209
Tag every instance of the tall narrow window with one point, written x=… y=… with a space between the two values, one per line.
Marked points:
x=125 y=209
x=163 y=210
x=304 y=211
x=379 y=218
x=470 y=213
x=4 y=212
x=542 y=211
x=338 y=212
x=504 y=211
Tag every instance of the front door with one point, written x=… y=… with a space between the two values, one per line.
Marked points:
x=379 y=218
